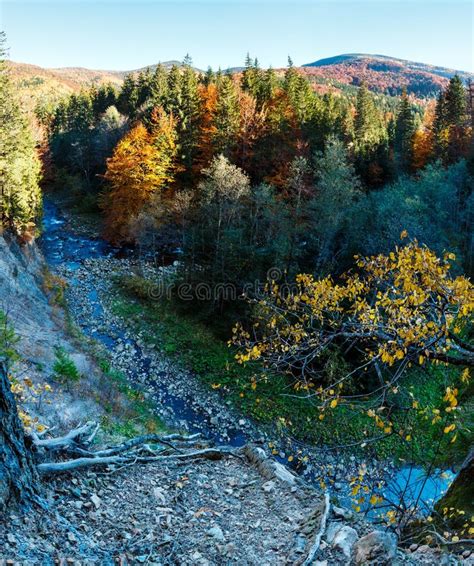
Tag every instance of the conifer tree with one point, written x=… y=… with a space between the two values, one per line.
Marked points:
x=159 y=87
x=456 y=102
x=226 y=117
x=127 y=102
x=188 y=125
x=404 y=130
x=20 y=195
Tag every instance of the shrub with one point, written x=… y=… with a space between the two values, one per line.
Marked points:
x=64 y=368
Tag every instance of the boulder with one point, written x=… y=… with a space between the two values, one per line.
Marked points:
x=378 y=547
x=344 y=540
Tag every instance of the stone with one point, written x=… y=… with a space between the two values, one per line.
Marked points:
x=96 y=500
x=378 y=547
x=342 y=513
x=331 y=531
x=344 y=540
x=268 y=486
x=216 y=532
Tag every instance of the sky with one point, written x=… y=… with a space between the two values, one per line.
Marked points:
x=125 y=34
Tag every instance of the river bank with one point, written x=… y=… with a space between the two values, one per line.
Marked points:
x=90 y=266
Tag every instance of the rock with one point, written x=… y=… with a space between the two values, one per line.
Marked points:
x=378 y=547
x=216 y=532
x=96 y=500
x=332 y=530
x=424 y=548
x=342 y=513
x=344 y=540
x=338 y=486
x=413 y=547
x=159 y=494
x=11 y=539
x=300 y=544
x=268 y=486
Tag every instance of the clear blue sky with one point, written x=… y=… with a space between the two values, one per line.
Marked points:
x=115 y=34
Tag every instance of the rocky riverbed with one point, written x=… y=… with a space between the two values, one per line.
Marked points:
x=89 y=265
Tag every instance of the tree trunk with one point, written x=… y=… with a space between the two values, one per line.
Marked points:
x=18 y=477
x=460 y=494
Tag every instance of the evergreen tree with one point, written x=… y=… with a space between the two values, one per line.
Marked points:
x=456 y=102
x=159 y=87
x=269 y=85
x=226 y=117
x=404 y=131
x=188 y=125
x=20 y=195
x=127 y=102
x=104 y=98
x=370 y=139
x=209 y=77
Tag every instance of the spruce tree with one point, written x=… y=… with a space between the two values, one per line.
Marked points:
x=159 y=87
x=456 y=102
x=404 y=130
x=226 y=117
x=127 y=102
x=20 y=195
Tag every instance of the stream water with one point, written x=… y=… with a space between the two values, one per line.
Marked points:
x=61 y=246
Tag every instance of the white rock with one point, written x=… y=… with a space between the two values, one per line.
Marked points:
x=345 y=539
x=96 y=501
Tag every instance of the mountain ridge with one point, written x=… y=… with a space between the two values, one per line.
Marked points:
x=381 y=73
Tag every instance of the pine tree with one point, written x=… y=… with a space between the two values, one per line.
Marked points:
x=20 y=195
x=227 y=117
x=269 y=85
x=209 y=77
x=142 y=166
x=127 y=102
x=291 y=80
x=404 y=130
x=159 y=87
x=188 y=125
x=456 y=102
x=451 y=124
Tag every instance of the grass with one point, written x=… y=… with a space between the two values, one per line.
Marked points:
x=270 y=401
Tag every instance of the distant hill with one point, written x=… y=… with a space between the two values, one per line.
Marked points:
x=383 y=74
x=37 y=84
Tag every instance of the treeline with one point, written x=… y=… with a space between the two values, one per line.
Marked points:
x=247 y=171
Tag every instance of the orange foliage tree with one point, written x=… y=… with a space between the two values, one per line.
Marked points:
x=142 y=165
x=207 y=130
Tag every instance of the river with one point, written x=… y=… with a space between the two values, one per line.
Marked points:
x=68 y=251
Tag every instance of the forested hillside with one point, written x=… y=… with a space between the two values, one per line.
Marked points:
x=274 y=263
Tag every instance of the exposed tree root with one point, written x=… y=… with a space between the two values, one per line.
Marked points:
x=142 y=449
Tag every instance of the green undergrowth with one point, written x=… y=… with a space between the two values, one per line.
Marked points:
x=127 y=412
x=271 y=401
